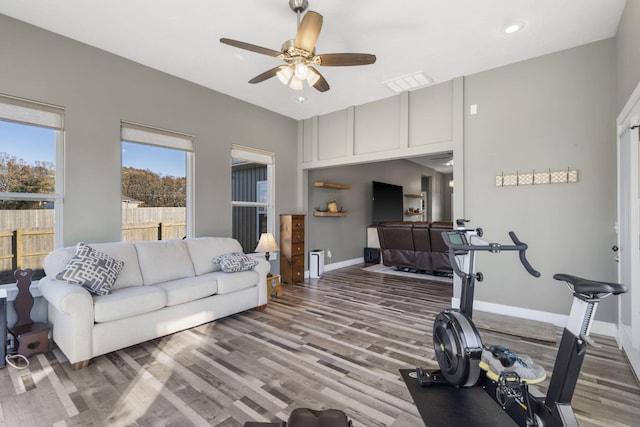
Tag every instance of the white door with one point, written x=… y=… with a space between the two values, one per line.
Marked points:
x=629 y=229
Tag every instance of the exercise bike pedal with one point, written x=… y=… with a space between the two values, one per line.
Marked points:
x=510 y=388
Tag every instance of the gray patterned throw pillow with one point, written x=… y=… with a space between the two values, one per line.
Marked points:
x=234 y=262
x=91 y=269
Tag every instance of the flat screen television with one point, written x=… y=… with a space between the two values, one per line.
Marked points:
x=388 y=202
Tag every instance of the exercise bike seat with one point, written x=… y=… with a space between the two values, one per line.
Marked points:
x=591 y=287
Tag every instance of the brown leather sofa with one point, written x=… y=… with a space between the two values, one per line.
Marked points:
x=415 y=246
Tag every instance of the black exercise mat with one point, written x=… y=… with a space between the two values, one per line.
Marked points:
x=444 y=405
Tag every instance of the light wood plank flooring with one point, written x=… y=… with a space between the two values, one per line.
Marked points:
x=336 y=342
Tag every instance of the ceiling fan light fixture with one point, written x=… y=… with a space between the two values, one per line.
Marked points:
x=296 y=84
x=285 y=74
x=301 y=71
x=312 y=78
x=299 y=53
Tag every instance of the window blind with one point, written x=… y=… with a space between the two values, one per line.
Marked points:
x=132 y=132
x=251 y=154
x=31 y=113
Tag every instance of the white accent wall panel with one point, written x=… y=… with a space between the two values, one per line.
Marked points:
x=334 y=135
x=377 y=126
x=431 y=115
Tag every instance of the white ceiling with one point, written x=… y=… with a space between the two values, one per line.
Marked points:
x=444 y=39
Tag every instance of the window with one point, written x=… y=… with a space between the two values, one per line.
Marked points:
x=31 y=136
x=252 y=194
x=156 y=183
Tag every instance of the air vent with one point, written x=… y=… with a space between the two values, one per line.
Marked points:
x=408 y=82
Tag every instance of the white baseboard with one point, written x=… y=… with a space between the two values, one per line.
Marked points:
x=598 y=327
x=341 y=264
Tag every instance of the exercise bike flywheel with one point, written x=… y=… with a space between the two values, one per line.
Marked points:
x=458 y=348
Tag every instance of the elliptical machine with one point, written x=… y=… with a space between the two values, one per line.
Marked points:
x=458 y=345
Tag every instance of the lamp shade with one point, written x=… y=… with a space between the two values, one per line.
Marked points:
x=267 y=243
x=295 y=83
x=284 y=74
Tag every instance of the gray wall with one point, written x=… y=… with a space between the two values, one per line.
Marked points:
x=628 y=52
x=555 y=111
x=98 y=89
x=346 y=237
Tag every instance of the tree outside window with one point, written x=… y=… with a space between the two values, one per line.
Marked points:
x=155 y=201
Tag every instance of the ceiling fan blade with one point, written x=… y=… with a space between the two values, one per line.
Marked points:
x=308 y=31
x=249 y=46
x=346 y=59
x=321 y=84
x=266 y=75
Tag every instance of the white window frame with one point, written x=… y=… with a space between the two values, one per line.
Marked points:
x=266 y=158
x=154 y=136
x=33 y=113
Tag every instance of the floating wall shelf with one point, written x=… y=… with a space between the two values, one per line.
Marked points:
x=332 y=214
x=331 y=185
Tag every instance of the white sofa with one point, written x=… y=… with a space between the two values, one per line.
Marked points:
x=164 y=287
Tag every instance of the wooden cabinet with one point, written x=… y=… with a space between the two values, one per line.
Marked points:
x=292 y=248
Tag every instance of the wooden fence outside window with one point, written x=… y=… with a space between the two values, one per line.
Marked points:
x=27 y=248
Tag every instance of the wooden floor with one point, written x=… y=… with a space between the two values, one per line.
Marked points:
x=336 y=342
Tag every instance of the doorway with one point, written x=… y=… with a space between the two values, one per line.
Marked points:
x=628 y=244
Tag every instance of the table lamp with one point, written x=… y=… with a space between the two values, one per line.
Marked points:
x=267 y=244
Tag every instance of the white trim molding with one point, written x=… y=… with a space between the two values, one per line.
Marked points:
x=559 y=320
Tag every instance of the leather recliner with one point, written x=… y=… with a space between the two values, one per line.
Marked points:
x=415 y=245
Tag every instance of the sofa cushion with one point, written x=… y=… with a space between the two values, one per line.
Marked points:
x=128 y=302
x=130 y=274
x=164 y=260
x=234 y=262
x=91 y=269
x=189 y=289
x=204 y=249
x=228 y=283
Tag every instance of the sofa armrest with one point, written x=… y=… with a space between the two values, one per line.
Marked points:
x=71 y=315
x=69 y=299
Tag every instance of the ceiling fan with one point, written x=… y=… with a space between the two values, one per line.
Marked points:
x=300 y=53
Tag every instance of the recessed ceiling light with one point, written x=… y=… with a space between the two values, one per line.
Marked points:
x=301 y=99
x=513 y=28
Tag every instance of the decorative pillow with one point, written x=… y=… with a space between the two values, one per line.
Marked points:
x=234 y=262
x=92 y=269
x=216 y=263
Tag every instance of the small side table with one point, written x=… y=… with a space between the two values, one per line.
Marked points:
x=31 y=337
x=273 y=286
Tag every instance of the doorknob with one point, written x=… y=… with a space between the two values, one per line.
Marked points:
x=615 y=248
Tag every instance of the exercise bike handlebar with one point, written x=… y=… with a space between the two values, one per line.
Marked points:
x=518 y=245
x=523 y=255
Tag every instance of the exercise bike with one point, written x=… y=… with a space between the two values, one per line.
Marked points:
x=458 y=345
